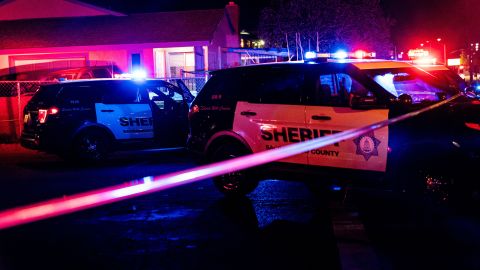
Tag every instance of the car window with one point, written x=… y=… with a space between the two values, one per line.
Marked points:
x=335 y=90
x=165 y=90
x=78 y=95
x=46 y=93
x=124 y=93
x=222 y=90
x=101 y=73
x=406 y=81
x=275 y=87
x=86 y=75
x=323 y=90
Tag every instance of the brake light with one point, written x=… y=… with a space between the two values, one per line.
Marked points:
x=193 y=110
x=42 y=114
x=474 y=126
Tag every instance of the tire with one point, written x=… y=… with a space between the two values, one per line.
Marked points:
x=427 y=184
x=91 y=146
x=238 y=183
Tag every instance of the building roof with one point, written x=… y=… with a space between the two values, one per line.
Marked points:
x=34 y=9
x=180 y=26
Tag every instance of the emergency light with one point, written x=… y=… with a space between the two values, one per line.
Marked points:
x=139 y=74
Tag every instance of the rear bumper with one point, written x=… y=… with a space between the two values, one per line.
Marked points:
x=42 y=141
x=30 y=140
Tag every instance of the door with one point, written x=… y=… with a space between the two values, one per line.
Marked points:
x=170 y=114
x=329 y=112
x=273 y=114
x=126 y=111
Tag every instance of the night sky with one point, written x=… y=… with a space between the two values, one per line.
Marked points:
x=416 y=21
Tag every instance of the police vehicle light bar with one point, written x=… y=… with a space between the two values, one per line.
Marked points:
x=340 y=54
x=138 y=74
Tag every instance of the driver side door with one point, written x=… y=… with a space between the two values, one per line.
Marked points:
x=329 y=112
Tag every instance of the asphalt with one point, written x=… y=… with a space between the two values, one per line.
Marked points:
x=281 y=225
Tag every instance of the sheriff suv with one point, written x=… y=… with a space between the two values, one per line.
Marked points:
x=87 y=119
x=256 y=108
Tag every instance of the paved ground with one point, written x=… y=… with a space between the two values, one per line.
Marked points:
x=282 y=225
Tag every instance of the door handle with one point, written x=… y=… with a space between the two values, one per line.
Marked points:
x=107 y=110
x=321 y=117
x=248 y=113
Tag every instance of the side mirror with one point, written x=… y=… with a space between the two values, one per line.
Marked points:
x=405 y=100
x=470 y=92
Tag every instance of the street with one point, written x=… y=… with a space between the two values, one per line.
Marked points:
x=281 y=225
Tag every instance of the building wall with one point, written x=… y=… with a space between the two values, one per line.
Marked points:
x=29 y=9
x=119 y=57
x=214 y=57
x=148 y=62
x=226 y=36
x=3 y=64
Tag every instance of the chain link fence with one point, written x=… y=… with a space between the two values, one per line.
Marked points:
x=193 y=84
x=14 y=95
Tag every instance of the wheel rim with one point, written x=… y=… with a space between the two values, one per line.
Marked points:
x=91 y=147
x=231 y=181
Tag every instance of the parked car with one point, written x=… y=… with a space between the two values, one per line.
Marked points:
x=87 y=119
x=256 y=108
x=94 y=72
x=445 y=75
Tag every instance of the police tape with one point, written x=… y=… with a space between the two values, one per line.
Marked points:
x=69 y=204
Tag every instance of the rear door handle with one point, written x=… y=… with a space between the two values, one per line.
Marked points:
x=321 y=117
x=107 y=110
x=248 y=113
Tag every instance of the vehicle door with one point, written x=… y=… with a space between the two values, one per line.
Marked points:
x=125 y=110
x=170 y=113
x=272 y=114
x=329 y=111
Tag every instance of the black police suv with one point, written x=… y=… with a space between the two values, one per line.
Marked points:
x=87 y=119
x=256 y=108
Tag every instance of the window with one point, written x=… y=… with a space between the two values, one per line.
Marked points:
x=124 y=93
x=86 y=75
x=275 y=87
x=135 y=61
x=335 y=90
x=101 y=73
x=78 y=95
x=223 y=89
x=399 y=82
x=166 y=91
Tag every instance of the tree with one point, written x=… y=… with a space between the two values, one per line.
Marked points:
x=326 y=25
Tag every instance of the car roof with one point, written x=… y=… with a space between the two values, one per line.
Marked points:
x=360 y=64
x=107 y=80
x=432 y=67
x=381 y=64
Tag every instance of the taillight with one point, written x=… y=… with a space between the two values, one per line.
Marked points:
x=471 y=125
x=42 y=114
x=193 y=110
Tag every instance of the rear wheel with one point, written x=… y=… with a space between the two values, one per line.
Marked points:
x=238 y=183
x=91 y=146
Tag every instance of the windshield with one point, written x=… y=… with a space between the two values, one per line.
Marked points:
x=409 y=82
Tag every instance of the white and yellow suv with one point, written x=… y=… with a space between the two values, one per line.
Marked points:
x=256 y=108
